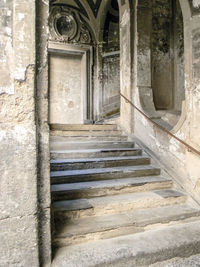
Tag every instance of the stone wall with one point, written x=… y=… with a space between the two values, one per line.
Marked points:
x=181 y=163
x=25 y=185
x=18 y=148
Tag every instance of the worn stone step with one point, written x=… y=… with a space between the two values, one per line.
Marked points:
x=77 y=164
x=117 y=203
x=114 y=138
x=91 y=133
x=182 y=261
x=60 y=142
x=95 y=153
x=140 y=249
x=108 y=187
x=83 y=127
x=84 y=175
x=108 y=226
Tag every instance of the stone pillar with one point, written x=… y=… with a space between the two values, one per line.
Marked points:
x=125 y=67
x=42 y=116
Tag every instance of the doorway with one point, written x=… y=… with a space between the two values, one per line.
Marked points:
x=70 y=94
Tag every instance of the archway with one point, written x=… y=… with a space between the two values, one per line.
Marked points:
x=111 y=62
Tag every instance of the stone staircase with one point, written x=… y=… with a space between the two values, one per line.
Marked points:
x=111 y=206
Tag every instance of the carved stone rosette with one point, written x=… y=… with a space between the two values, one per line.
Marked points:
x=67 y=25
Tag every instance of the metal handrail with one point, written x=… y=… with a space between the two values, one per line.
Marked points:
x=190 y=148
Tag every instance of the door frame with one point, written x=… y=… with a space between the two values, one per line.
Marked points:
x=86 y=52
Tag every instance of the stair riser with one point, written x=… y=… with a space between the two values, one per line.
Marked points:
x=83 y=127
x=89 y=193
x=104 y=164
x=116 y=208
x=72 y=155
x=72 y=240
x=60 y=144
x=111 y=232
x=93 y=138
x=104 y=176
x=86 y=133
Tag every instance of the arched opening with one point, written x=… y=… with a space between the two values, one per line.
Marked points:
x=164 y=61
x=111 y=62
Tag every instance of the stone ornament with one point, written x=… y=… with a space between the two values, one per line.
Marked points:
x=67 y=25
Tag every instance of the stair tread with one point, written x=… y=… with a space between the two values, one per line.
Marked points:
x=94 y=150
x=119 y=183
x=62 y=139
x=137 y=218
x=140 y=249
x=94 y=160
x=101 y=170
x=78 y=204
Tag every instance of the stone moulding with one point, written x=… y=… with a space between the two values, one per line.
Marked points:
x=67 y=25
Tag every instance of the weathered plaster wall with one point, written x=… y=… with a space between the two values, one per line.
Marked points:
x=18 y=143
x=181 y=163
x=6 y=49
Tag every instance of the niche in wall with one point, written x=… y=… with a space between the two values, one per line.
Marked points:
x=160 y=65
x=167 y=55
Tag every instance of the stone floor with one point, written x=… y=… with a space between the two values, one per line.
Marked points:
x=193 y=261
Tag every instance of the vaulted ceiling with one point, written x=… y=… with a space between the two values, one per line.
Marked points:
x=82 y=6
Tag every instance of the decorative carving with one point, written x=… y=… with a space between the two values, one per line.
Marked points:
x=67 y=25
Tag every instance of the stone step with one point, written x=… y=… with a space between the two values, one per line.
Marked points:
x=79 y=138
x=108 y=226
x=140 y=249
x=108 y=187
x=77 y=164
x=99 y=206
x=84 y=175
x=83 y=127
x=191 y=261
x=83 y=133
x=95 y=153
x=59 y=143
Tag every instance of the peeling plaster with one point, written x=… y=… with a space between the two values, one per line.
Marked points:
x=196 y=3
x=125 y=18
x=24 y=72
